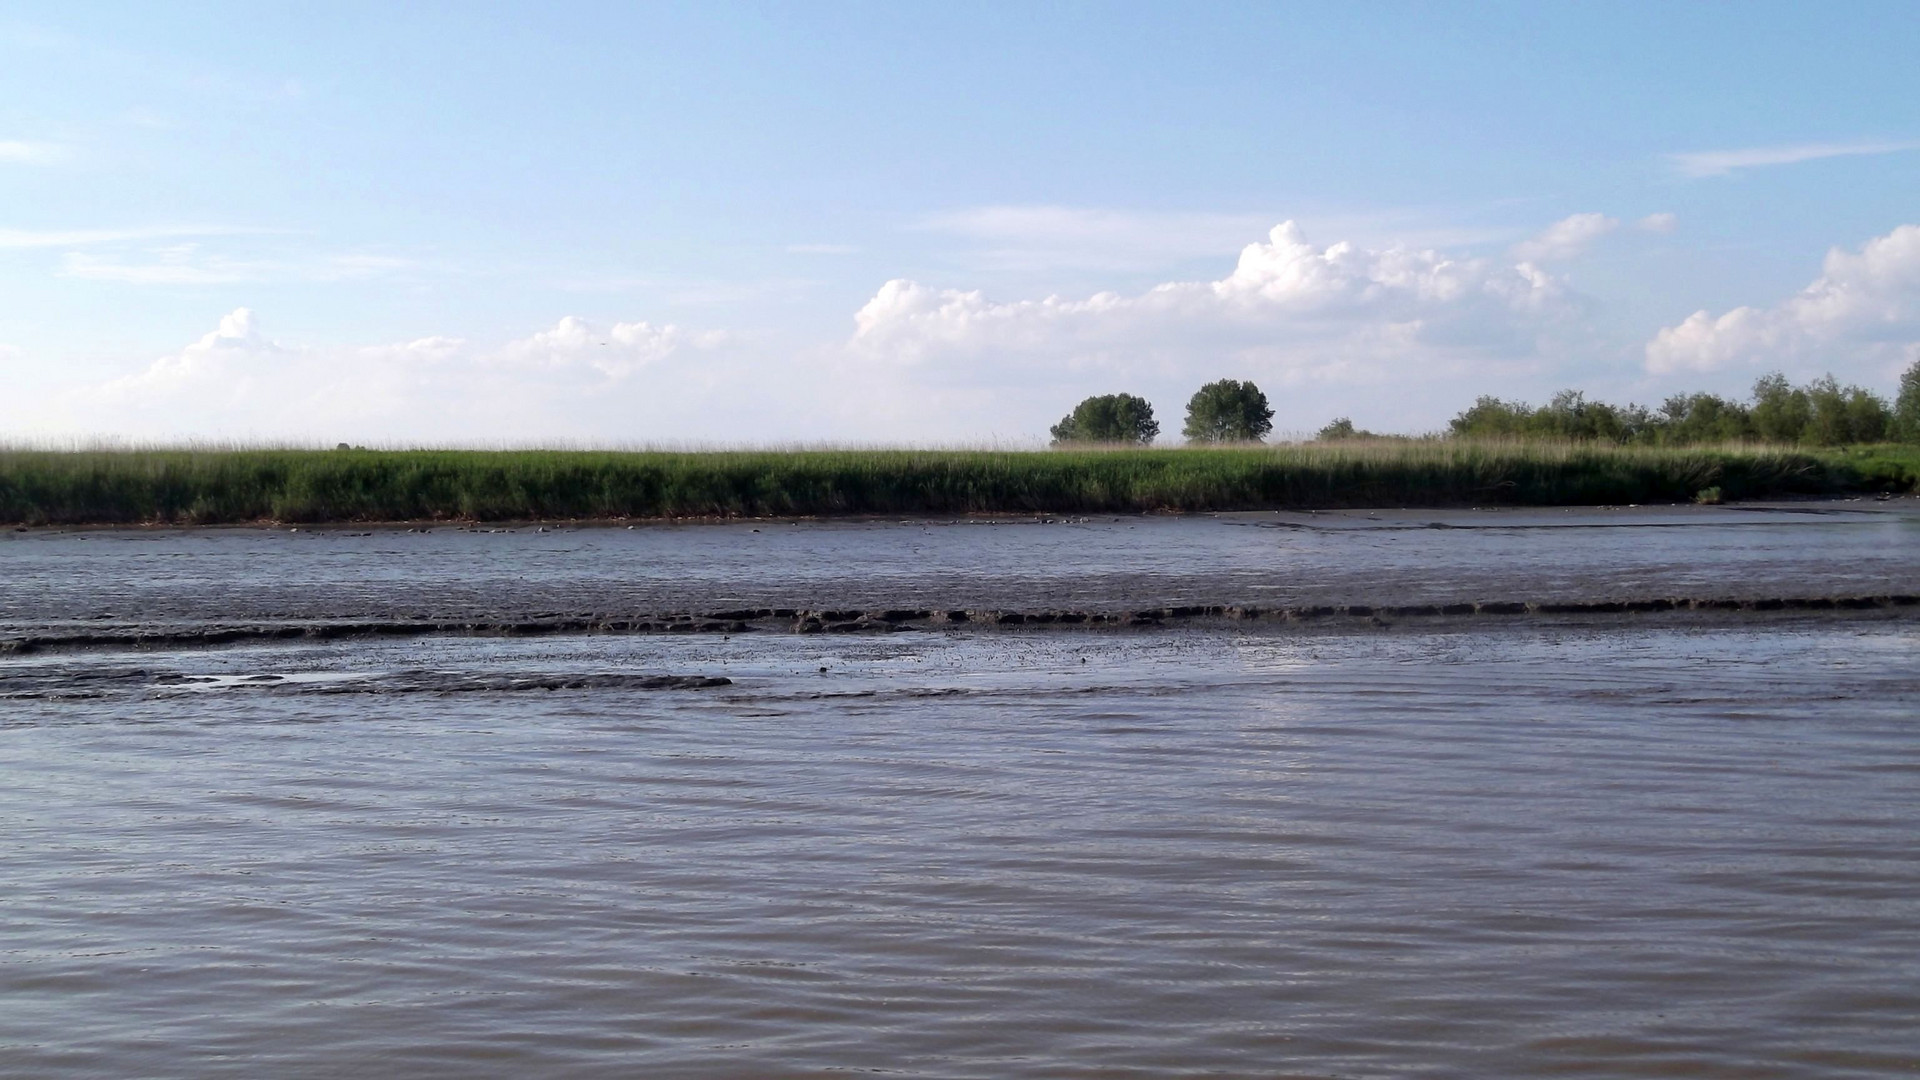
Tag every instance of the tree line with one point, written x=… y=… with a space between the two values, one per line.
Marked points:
x=1820 y=413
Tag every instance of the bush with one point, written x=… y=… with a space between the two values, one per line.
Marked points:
x=1108 y=418
x=1228 y=411
x=1342 y=429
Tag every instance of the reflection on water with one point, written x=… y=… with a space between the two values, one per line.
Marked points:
x=1465 y=853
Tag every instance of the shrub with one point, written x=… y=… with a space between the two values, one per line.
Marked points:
x=1228 y=411
x=1342 y=429
x=1108 y=418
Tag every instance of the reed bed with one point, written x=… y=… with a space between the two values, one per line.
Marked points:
x=235 y=485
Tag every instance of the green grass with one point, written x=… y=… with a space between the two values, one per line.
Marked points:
x=202 y=486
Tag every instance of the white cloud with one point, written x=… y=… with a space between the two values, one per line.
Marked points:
x=576 y=380
x=1658 y=223
x=1566 y=238
x=1034 y=237
x=617 y=352
x=1704 y=163
x=1860 y=316
x=1290 y=313
x=1321 y=328
x=1280 y=288
x=23 y=152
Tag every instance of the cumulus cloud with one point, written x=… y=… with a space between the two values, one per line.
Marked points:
x=1317 y=326
x=1658 y=223
x=1566 y=238
x=236 y=336
x=1860 y=316
x=1033 y=237
x=1704 y=163
x=1281 y=289
x=616 y=352
x=574 y=380
x=1107 y=239
x=1290 y=313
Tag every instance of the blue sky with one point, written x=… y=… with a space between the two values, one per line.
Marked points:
x=724 y=223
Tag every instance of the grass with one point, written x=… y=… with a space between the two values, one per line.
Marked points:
x=215 y=486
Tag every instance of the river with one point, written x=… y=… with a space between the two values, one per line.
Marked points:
x=1655 y=846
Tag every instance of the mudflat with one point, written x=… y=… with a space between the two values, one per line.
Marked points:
x=245 y=583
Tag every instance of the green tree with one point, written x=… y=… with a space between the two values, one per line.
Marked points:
x=1906 y=407
x=1698 y=418
x=1228 y=411
x=1780 y=411
x=1841 y=415
x=1489 y=416
x=1108 y=418
x=1868 y=418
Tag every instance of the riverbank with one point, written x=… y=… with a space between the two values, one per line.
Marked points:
x=237 y=486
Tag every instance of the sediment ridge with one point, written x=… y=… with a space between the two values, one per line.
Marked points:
x=851 y=621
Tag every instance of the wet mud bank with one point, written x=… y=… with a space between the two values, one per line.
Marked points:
x=899 y=620
x=90 y=685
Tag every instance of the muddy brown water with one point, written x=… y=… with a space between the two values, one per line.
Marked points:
x=1536 y=847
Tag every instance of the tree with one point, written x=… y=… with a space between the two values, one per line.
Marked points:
x=1705 y=418
x=1780 y=412
x=1108 y=418
x=1228 y=411
x=1906 y=407
x=1489 y=416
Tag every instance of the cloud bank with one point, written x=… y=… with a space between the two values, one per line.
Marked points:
x=1861 y=315
x=1289 y=312
x=1317 y=326
x=576 y=380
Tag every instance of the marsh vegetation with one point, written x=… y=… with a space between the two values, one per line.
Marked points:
x=188 y=486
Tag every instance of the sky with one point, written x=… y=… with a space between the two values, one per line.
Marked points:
x=767 y=224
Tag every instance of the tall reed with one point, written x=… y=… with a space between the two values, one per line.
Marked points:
x=210 y=486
